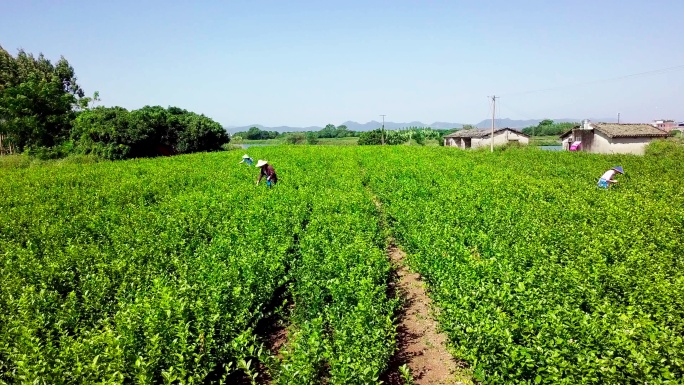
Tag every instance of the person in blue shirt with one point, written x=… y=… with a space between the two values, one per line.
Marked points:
x=246 y=159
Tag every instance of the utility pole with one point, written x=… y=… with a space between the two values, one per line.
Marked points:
x=382 y=137
x=493 y=119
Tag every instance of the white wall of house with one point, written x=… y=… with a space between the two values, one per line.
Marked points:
x=605 y=145
x=635 y=146
x=501 y=138
x=567 y=141
x=454 y=142
x=600 y=144
x=479 y=142
x=516 y=136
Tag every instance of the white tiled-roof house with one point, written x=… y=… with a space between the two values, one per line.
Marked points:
x=477 y=137
x=611 y=138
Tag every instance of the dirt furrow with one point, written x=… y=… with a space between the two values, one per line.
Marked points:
x=421 y=347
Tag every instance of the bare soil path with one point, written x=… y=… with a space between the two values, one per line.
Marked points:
x=420 y=345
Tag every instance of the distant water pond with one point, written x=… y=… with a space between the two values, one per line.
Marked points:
x=552 y=148
x=254 y=145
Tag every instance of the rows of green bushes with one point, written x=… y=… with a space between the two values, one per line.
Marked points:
x=145 y=271
x=165 y=271
x=540 y=276
x=342 y=329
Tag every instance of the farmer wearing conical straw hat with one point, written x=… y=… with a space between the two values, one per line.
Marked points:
x=247 y=159
x=267 y=171
x=607 y=178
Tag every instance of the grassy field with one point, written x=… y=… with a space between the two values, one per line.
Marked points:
x=534 y=141
x=168 y=269
x=545 y=141
x=350 y=141
x=264 y=141
x=321 y=141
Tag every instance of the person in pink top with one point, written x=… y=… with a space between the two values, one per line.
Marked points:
x=607 y=178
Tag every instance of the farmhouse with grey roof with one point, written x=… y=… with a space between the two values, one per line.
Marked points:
x=611 y=138
x=477 y=137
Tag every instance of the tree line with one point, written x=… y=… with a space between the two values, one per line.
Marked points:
x=395 y=137
x=44 y=112
x=548 y=127
x=329 y=131
x=374 y=137
x=115 y=133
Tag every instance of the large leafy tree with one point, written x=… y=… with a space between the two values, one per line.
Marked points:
x=114 y=133
x=548 y=127
x=199 y=133
x=152 y=131
x=38 y=100
x=330 y=131
x=42 y=106
x=371 y=137
x=104 y=131
x=254 y=133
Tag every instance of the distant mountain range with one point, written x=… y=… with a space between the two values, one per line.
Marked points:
x=372 y=125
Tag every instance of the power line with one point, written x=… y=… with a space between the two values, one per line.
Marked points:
x=515 y=110
x=654 y=72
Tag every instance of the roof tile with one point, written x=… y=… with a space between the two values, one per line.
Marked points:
x=614 y=130
x=479 y=132
x=624 y=130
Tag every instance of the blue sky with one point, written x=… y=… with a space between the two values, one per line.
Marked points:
x=302 y=63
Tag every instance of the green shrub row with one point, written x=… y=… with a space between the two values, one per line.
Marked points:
x=141 y=271
x=540 y=276
x=342 y=326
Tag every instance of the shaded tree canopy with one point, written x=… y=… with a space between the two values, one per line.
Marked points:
x=548 y=127
x=115 y=133
x=330 y=131
x=255 y=133
x=371 y=137
x=38 y=100
x=43 y=108
x=394 y=137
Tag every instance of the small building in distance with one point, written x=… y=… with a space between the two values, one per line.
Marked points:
x=611 y=138
x=665 y=125
x=482 y=137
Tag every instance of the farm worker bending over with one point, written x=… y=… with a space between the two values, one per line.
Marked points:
x=246 y=159
x=267 y=171
x=607 y=178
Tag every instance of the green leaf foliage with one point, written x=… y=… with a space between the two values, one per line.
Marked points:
x=161 y=270
x=540 y=276
x=373 y=137
x=115 y=133
x=43 y=112
x=548 y=127
x=37 y=100
x=396 y=137
x=255 y=133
